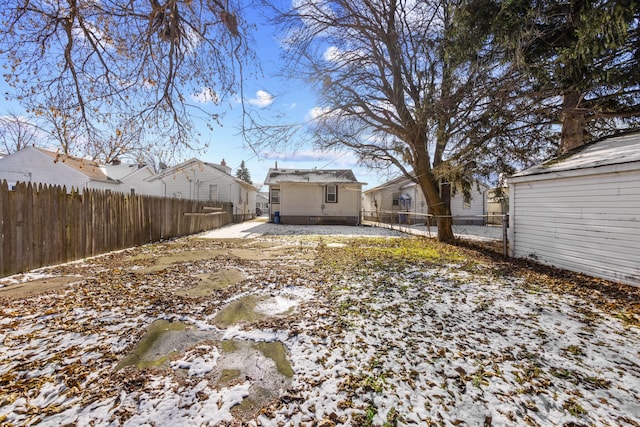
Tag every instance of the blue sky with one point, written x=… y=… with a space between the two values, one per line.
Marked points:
x=291 y=98
x=264 y=91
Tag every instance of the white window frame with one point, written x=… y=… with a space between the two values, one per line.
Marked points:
x=331 y=196
x=275 y=197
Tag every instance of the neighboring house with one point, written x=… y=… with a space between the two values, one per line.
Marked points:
x=581 y=211
x=40 y=166
x=497 y=204
x=262 y=202
x=314 y=196
x=198 y=180
x=402 y=200
x=133 y=179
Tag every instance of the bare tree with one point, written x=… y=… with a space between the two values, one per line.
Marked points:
x=16 y=133
x=395 y=88
x=86 y=60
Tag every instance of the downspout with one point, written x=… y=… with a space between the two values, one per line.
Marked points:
x=415 y=203
x=359 y=220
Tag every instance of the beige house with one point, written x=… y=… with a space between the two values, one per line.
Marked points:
x=314 y=196
x=401 y=201
x=497 y=204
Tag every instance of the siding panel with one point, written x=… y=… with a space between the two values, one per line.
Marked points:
x=588 y=224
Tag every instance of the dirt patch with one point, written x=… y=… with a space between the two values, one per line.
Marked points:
x=185 y=256
x=255 y=254
x=240 y=310
x=252 y=308
x=211 y=282
x=35 y=287
x=267 y=251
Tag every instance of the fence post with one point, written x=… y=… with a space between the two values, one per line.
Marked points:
x=505 y=227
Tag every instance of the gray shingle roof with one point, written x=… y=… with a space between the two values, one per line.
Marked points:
x=276 y=176
x=608 y=151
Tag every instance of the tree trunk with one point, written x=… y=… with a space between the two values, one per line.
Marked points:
x=431 y=190
x=445 y=230
x=573 y=122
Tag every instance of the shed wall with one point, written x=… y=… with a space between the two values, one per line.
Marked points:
x=589 y=224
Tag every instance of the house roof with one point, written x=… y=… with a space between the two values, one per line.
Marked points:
x=120 y=172
x=407 y=183
x=615 y=150
x=401 y=179
x=318 y=176
x=89 y=168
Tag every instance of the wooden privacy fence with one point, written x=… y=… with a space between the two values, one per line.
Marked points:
x=44 y=225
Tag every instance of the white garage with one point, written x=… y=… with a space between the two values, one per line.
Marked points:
x=581 y=211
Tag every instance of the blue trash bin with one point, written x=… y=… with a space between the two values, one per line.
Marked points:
x=276 y=217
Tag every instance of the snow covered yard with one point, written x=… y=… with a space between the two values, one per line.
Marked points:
x=377 y=331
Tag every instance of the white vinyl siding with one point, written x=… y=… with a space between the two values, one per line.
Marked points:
x=388 y=200
x=308 y=200
x=30 y=165
x=589 y=224
x=195 y=182
x=301 y=199
x=476 y=207
x=213 y=192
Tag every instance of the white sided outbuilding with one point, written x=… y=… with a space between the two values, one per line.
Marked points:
x=581 y=211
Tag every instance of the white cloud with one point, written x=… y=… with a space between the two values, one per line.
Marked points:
x=206 y=95
x=316 y=113
x=332 y=54
x=263 y=99
x=333 y=159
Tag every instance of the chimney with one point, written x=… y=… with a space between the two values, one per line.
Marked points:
x=224 y=168
x=276 y=165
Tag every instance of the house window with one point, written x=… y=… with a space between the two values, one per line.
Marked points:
x=466 y=201
x=132 y=191
x=405 y=202
x=275 y=197
x=331 y=194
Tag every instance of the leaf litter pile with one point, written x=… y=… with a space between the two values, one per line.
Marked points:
x=369 y=331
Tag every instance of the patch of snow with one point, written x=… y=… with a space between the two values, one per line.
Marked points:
x=198 y=362
x=253 y=229
x=274 y=306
